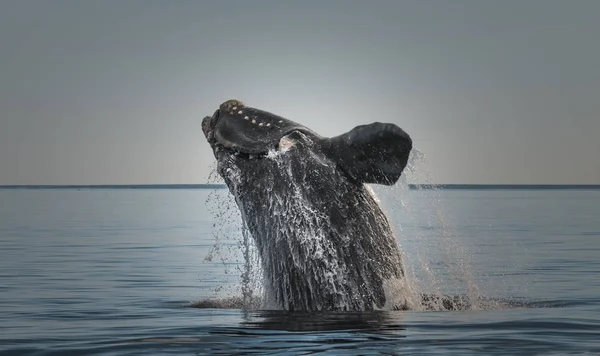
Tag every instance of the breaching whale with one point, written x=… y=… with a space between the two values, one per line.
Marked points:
x=323 y=240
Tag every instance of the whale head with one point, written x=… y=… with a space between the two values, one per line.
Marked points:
x=245 y=130
x=373 y=153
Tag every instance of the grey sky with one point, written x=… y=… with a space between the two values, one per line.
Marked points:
x=108 y=92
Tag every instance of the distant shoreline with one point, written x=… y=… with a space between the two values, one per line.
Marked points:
x=411 y=186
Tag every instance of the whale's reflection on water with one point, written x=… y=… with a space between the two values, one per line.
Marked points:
x=222 y=329
x=428 y=302
x=373 y=321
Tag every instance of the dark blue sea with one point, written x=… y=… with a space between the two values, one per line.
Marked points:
x=136 y=271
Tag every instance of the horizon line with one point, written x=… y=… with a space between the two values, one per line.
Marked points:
x=415 y=186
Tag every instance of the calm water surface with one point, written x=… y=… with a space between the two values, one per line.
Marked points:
x=113 y=271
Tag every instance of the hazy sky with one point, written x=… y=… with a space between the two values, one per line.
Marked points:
x=109 y=92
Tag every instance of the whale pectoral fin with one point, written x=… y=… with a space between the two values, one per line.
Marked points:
x=373 y=153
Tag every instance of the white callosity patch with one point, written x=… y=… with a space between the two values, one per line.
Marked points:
x=285 y=143
x=236 y=108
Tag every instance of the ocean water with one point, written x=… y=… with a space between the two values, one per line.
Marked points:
x=156 y=271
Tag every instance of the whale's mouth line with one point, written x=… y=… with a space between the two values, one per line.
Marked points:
x=234 y=151
x=218 y=147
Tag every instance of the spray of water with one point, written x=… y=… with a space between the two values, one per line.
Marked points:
x=437 y=265
x=234 y=248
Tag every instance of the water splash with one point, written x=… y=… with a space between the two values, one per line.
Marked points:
x=436 y=263
x=234 y=248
